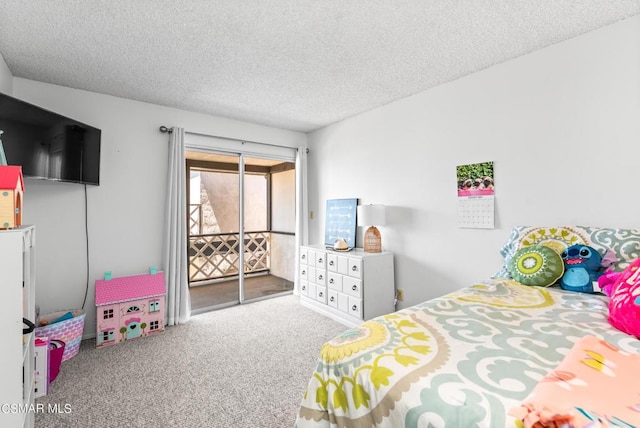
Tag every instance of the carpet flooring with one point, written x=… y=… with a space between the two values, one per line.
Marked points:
x=245 y=366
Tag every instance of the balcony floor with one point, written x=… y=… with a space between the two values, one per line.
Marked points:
x=225 y=293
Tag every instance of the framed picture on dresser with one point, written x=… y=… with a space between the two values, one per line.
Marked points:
x=340 y=221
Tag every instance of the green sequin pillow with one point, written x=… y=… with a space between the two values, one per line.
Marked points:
x=536 y=265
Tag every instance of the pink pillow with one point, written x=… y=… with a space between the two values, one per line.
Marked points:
x=594 y=382
x=624 y=301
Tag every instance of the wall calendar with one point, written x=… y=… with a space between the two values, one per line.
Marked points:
x=476 y=196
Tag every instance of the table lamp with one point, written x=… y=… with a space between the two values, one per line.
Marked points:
x=372 y=216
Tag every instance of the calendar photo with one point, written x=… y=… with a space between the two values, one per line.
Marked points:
x=475 y=179
x=476 y=190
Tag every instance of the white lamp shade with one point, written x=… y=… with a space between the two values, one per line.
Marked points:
x=371 y=215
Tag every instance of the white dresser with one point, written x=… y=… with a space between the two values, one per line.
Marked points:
x=349 y=287
x=17 y=294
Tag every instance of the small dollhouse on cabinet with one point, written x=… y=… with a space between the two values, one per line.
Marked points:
x=11 y=191
x=129 y=307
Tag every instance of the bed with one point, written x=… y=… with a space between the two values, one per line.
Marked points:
x=469 y=358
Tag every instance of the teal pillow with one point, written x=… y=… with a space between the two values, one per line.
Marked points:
x=536 y=265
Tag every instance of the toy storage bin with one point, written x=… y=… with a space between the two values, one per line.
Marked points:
x=56 y=352
x=68 y=331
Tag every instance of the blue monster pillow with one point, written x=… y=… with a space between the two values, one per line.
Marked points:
x=582 y=268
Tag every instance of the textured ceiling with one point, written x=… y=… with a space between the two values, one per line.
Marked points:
x=297 y=65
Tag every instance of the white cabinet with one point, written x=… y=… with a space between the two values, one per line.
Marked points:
x=349 y=287
x=17 y=281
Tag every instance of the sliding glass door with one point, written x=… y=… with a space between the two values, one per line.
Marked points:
x=214 y=226
x=235 y=255
x=269 y=227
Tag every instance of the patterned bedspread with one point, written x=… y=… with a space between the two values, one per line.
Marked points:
x=461 y=360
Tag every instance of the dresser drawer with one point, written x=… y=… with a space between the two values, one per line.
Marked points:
x=304 y=256
x=332 y=262
x=320 y=259
x=321 y=294
x=321 y=277
x=332 y=298
x=352 y=286
x=355 y=268
x=304 y=287
x=334 y=281
x=304 y=272
x=355 y=307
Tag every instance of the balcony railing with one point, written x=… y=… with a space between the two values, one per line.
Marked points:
x=195 y=219
x=217 y=255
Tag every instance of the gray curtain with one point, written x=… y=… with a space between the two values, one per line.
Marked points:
x=302 y=226
x=175 y=233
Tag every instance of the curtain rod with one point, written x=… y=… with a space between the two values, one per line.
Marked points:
x=166 y=130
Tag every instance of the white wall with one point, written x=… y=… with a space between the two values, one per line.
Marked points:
x=6 y=78
x=126 y=212
x=562 y=126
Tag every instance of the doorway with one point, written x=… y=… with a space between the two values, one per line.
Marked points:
x=241 y=213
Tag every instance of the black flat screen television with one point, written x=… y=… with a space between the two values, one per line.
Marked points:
x=48 y=145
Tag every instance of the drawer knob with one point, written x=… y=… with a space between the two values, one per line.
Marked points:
x=354 y=288
x=304 y=272
x=320 y=294
x=354 y=308
x=354 y=268
x=304 y=287
x=331 y=263
x=304 y=257
x=331 y=281
x=320 y=277
x=332 y=298
x=320 y=260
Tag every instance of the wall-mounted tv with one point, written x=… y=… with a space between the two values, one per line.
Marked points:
x=48 y=145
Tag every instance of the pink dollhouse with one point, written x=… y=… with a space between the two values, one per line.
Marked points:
x=11 y=190
x=129 y=307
